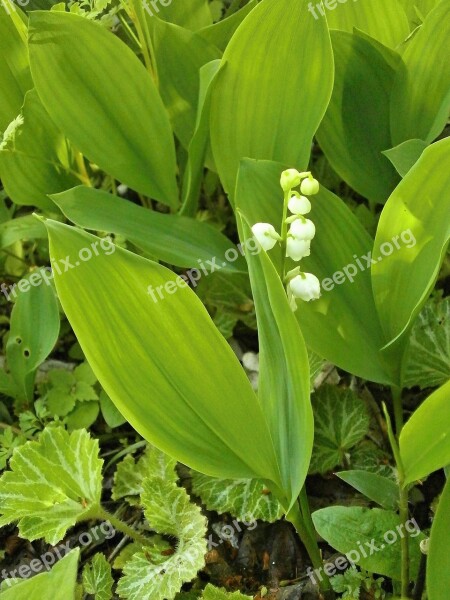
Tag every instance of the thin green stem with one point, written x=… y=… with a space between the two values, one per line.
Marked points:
x=284 y=235
x=404 y=516
x=296 y=517
x=83 y=174
x=306 y=512
x=398 y=408
x=403 y=506
x=119 y=525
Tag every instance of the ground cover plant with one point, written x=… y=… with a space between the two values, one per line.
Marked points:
x=225 y=299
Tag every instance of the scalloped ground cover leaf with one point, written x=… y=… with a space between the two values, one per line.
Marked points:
x=151 y=575
x=427 y=358
x=341 y=421
x=243 y=498
x=97 y=578
x=53 y=483
x=130 y=474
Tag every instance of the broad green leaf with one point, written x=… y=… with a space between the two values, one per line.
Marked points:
x=272 y=90
x=39 y=161
x=150 y=575
x=411 y=240
x=53 y=483
x=384 y=20
x=283 y=390
x=342 y=326
x=425 y=439
x=340 y=421
x=198 y=146
x=405 y=155
x=193 y=15
x=78 y=69
x=180 y=54
x=147 y=362
x=351 y=136
x=244 y=499
x=130 y=474
x=59 y=583
x=420 y=100
x=438 y=565
x=21 y=228
x=177 y=240
x=378 y=532
x=212 y=593
x=33 y=331
x=97 y=578
x=381 y=490
x=220 y=33
x=15 y=78
x=426 y=362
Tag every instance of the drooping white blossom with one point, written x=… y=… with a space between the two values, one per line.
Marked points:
x=266 y=235
x=305 y=286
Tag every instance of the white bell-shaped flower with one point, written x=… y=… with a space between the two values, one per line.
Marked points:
x=297 y=249
x=299 y=205
x=305 y=286
x=302 y=229
x=266 y=235
x=310 y=186
x=290 y=179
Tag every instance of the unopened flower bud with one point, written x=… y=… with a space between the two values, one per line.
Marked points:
x=299 y=205
x=302 y=229
x=266 y=235
x=297 y=249
x=290 y=179
x=310 y=186
x=305 y=286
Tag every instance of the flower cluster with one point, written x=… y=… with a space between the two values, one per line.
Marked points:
x=297 y=240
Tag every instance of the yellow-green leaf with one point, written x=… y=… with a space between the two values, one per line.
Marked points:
x=384 y=20
x=438 y=567
x=420 y=101
x=273 y=88
x=145 y=352
x=79 y=70
x=425 y=439
x=417 y=210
